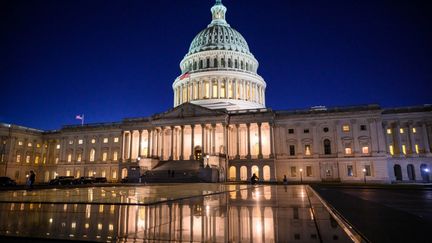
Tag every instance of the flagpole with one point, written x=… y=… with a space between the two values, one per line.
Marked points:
x=82 y=120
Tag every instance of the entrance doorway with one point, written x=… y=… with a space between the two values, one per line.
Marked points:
x=198 y=153
x=397 y=172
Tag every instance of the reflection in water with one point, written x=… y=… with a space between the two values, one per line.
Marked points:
x=260 y=214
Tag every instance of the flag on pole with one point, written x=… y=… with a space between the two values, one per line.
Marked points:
x=185 y=75
x=80 y=117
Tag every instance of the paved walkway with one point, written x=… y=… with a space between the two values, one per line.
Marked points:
x=384 y=215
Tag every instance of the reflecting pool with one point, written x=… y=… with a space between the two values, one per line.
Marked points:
x=174 y=212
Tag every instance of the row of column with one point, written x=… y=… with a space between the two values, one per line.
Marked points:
x=248 y=147
x=230 y=89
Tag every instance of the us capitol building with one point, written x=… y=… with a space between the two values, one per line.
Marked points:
x=220 y=130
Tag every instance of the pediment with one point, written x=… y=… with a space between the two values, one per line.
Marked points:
x=188 y=110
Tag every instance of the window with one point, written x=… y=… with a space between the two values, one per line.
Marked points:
x=292 y=150
x=348 y=150
x=414 y=130
x=105 y=140
x=18 y=158
x=307 y=149
x=401 y=130
x=36 y=159
x=308 y=170
x=325 y=129
x=368 y=170
x=350 y=170
x=115 y=155
x=69 y=157
x=58 y=146
x=306 y=131
x=403 y=149
x=116 y=139
x=363 y=128
x=327 y=146
x=71 y=142
x=214 y=90
x=104 y=156
x=389 y=131
x=417 y=148
x=28 y=159
x=92 y=155
x=391 y=150
x=93 y=140
x=293 y=171
x=20 y=143
x=29 y=144
x=80 y=141
x=291 y=131
x=57 y=160
x=365 y=149
x=345 y=128
x=79 y=157
x=38 y=145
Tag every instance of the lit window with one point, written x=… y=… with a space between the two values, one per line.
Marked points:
x=104 y=156
x=414 y=130
x=417 y=148
x=93 y=140
x=391 y=150
x=348 y=150
x=29 y=145
x=79 y=157
x=389 y=131
x=69 y=158
x=345 y=128
x=365 y=149
x=56 y=160
x=18 y=158
x=73 y=225
x=70 y=141
x=111 y=227
x=80 y=141
x=115 y=155
x=403 y=149
x=20 y=143
x=86 y=225
x=368 y=170
x=58 y=146
x=28 y=159
x=116 y=139
x=401 y=130
x=68 y=173
x=105 y=140
x=99 y=226
x=38 y=145
x=114 y=175
x=92 y=155
x=37 y=160
x=307 y=150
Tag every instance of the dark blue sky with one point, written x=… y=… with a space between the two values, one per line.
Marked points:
x=116 y=59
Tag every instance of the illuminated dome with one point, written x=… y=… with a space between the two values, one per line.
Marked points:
x=219 y=71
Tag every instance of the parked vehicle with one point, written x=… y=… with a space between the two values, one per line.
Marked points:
x=100 y=180
x=86 y=180
x=63 y=180
x=6 y=181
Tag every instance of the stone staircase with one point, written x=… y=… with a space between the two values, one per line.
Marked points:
x=174 y=171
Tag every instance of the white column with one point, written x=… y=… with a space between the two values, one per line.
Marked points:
x=139 y=143
x=219 y=88
x=354 y=126
x=248 y=156
x=426 y=139
x=130 y=144
x=271 y=127
x=182 y=142
x=237 y=156
x=260 y=155
x=162 y=142
x=148 y=143
x=171 y=157
x=213 y=139
x=192 y=142
x=412 y=139
x=398 y=138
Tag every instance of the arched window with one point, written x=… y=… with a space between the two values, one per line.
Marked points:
x=194 y=65
x=241 y=65
x=124 y=173
x=229 y=63
x=327 y=146
x=236 y=63
x=232 y=173
x=92 y=155
x=255 y=170
x=247 y=66
x=208 y=63
x=215 y=63
x=200 y=64
x=411 y=173
x=266 y=173
x=223 y=62
x=397 y=172
x=243 y=173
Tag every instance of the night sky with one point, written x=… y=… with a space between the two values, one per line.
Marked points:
x=112 y=59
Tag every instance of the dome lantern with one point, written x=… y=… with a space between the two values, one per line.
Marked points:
x=218 y=14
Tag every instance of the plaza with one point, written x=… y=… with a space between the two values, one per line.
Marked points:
x=170 y=212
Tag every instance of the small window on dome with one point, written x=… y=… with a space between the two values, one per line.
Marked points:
x=215 y=63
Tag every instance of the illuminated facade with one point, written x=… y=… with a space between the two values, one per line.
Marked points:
x=219 y=121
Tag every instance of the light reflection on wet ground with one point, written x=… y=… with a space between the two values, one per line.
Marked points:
x=193 y=213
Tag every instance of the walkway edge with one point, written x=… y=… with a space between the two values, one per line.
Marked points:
x=346 y=226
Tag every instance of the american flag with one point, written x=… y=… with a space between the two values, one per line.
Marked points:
x=185 y=75
x=79 y=117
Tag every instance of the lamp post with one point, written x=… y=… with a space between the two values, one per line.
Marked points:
x=301 y=175
x=426 y=170
x=364 y=175
x=207 y=160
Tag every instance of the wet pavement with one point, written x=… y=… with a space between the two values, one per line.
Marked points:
x=383 y=214
x=170 y=212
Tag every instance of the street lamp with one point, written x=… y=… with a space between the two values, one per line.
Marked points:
x=301 y=175
x=364 y=175
x=426 y=170
x=207 y=162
